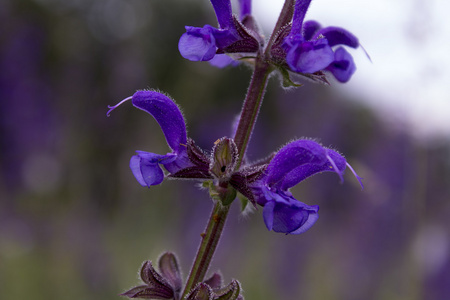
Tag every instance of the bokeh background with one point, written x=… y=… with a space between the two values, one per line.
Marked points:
x=74 y=223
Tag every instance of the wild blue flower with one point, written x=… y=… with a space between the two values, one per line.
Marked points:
x=308 y=46
x=146 y=166
x=203 y=44
x=294 y=163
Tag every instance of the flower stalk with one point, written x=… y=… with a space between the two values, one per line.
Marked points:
x=210 y=239
x=251 y=107
x=247 y=121
x=213 y=231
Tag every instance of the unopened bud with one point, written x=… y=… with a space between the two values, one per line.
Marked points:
x=224 y=158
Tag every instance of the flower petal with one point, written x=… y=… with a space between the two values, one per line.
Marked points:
x=343 y=65
x=310 y=28
x=313 y=216
x=310 y=57
x=135 y=166
x=294 y=217
x=292 y=156
x=223 y=60
x=268 y=214
x=334 y=163
x=197 y=44
x=338 y=36
x=168 y=116
x=182 y=161
x=301 y=6
x=245 y=8
x=146 y=170
x=223 y=12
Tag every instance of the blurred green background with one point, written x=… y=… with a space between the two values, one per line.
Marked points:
x=74 y=223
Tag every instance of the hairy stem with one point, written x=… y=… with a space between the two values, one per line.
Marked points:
x=213 y=231
x=210 y=239
x=249 y=114
x=251 y=107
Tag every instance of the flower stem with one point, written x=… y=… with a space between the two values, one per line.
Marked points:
x=249 y=114
x=213 y=231
x=251 y=106
x=257 y=88
x=210 y=239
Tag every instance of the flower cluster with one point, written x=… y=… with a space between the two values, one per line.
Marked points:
x=301 y=47
x=295 y=47
x=266 y=184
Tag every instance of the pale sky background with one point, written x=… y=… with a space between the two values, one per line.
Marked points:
x=408 y=81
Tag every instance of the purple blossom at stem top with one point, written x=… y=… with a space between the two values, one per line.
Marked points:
x=294 y=163
x=308 y=47
x=300 y=47
x=202 y=44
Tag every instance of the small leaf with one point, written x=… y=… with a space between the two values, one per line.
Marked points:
x=146 y=274
x=318 y=76
x=147 y=292
x=287 y=81
x=215 y=281
x=244 y=201
x=153 y=279
x=168 y=266
x=226 y=195
x=238 y=181
x=230 y=292
x=192 y=172
x=196 y=155
x=202 y=291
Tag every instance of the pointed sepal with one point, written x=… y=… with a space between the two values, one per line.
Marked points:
x=242 y=180
x=156 y=287
x=147 y=292
x=202 y=291
x=215 y=281
x=165 y=284
x=230 y=292
x=170 y=270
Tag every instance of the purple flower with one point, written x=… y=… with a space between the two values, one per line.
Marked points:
x=295 y=162
x=266 y=183
x=308 y=47
x=146 y=167
x=202 y=44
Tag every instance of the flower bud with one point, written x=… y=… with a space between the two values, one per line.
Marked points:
x=223 y=159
